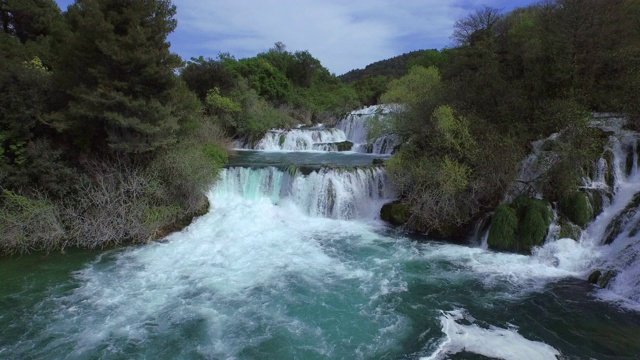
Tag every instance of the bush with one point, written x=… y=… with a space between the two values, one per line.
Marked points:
x=577 y=208
x=29 y=223
x=502 y=233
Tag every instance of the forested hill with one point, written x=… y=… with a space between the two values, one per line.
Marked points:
x=394 y=67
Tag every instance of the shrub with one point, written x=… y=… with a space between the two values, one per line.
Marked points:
x=577 y=208
x=502 y=233
x=29 y=223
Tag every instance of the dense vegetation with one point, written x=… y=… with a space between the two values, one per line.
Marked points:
x=372 y=81
x=510 y=79
x=102 y=142
x=275 y=89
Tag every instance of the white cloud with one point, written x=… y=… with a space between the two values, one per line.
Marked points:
x=342 y=34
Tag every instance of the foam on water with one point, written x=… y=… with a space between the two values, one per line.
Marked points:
x=334 y=193
x=229 y=277
x=492 y=342
x=313 y=139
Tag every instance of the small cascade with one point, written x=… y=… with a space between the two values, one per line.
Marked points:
x=615 y=233
x=332 y=193
x=302 y=139
x=356 y=127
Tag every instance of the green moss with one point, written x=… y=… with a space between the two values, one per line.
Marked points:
x=610 y=174
x=577 y=207
x=569 y=230
x=502 y=233
x=344 y=145
x=532 y=229
x=395 y=213
x=292 y=170
x=617 y=225
x=282 y=139
x=606 y=278
x=596 y=201
x=593 y=278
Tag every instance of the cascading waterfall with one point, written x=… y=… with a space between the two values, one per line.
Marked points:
x=355 y=126
x=615 y=233
x=332 y=193
x=292 y=262
x=301 y=140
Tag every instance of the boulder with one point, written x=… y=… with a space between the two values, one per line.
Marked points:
x=395 y=213
x=577 y=207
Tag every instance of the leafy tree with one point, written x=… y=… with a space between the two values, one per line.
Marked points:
x=202 y=74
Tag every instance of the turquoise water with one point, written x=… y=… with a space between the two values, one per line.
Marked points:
x=263 y=277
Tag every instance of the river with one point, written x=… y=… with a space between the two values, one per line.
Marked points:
x=292 y=262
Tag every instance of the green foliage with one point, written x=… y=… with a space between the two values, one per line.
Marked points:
x=569 y=230
x=453 y=177
x=504 y=224
x=220 y=105
x=412 y=88
x=577 y=208
x=216 y=154
x=378 y=126
x=119 y=74
x=28 y=224
x=202 y=75
x=534 y=216
x=453 y=134
x=395 y=213
x=392 y=68
x=521 y=225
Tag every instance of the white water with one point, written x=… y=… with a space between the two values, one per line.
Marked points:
x=355 y=126
x=275 y=270
x=492 y=342
x=590 y=253
x=300 y=140
x=338 y=194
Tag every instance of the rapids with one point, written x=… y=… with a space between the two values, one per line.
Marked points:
x=292 y=262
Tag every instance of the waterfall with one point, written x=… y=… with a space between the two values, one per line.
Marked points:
x=333 y=193
x=356 y=127
x=615 y=233
x=313 y=139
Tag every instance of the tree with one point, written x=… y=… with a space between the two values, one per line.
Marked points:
x=119 y=76
x=28 y=19
x=202 y=74
x=476 y=26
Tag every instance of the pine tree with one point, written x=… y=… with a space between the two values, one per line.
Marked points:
x=119 y=75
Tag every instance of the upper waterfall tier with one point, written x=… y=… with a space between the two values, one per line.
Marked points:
x=302 y=139
x=332 y=193
x=358 y=124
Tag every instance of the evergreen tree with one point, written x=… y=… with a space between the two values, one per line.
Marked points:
x=119 y=76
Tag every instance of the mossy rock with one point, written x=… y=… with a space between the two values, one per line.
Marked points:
x=617 y=225
x=378 y=162
x=569 y=230
x=282 y=139
x=594 y=276
x=521 y=225
x=606 y=278
x=610 y=175
x=395 y=213
x=577 y=207
x=596 y=199
x=344 y=145
x=534 y=218
x=502 y=232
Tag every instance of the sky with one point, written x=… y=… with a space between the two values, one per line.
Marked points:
x=342 y=34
